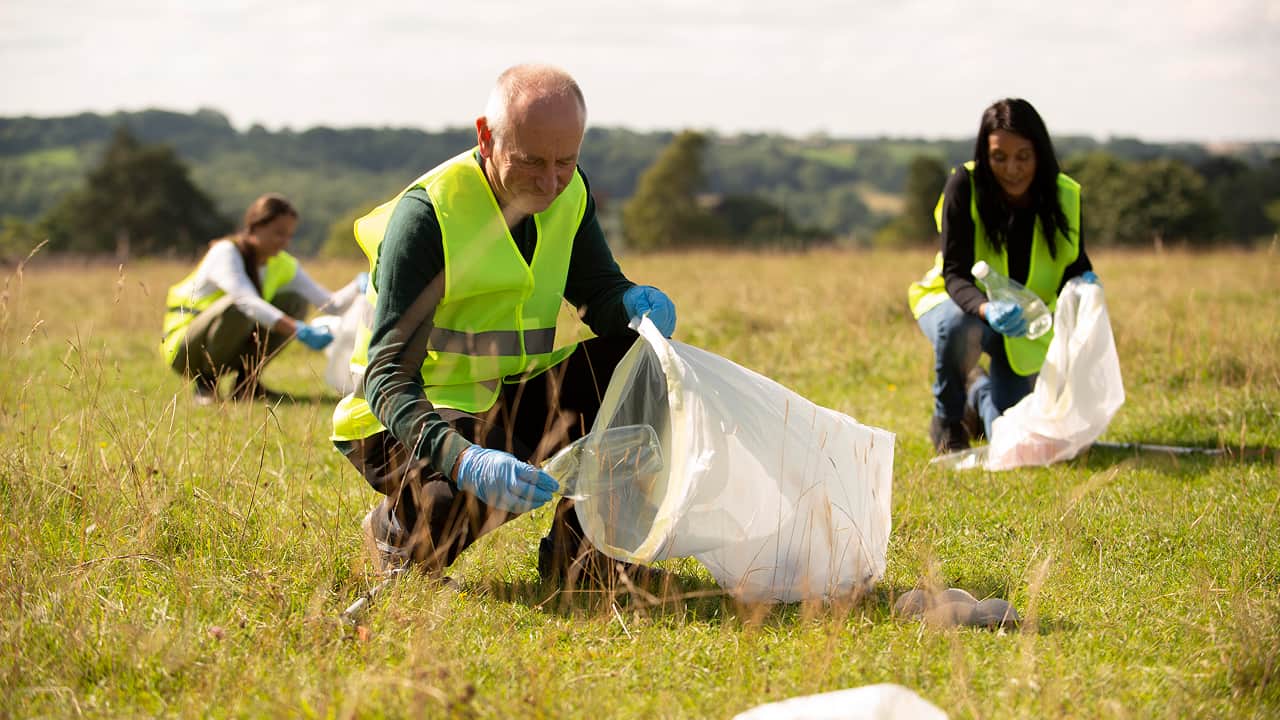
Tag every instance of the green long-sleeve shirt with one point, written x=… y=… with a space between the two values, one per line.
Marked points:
x=410 y=283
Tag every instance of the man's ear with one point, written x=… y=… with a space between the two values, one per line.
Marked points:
x=484 y=137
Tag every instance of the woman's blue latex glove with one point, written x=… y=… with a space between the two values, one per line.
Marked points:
x=1090 y=277
x=642 y=299
x=504 y=482
x=362 y=282
x=314 y=336
x=1006 y=318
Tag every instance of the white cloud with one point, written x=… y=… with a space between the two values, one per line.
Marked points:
x=1185 y=69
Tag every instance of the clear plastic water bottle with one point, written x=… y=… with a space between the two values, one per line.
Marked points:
x=604 y=461
x=999 y=287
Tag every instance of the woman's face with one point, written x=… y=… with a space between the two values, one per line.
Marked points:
x=268 y=239
x=1013 y=162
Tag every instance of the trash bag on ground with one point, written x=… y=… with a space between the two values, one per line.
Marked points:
x=781 y=499
x=337 y=372
x=885 y=701
x=1078 y=392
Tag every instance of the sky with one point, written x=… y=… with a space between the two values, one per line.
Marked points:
x=1196 y=70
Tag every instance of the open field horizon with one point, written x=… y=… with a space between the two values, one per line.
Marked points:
x=167 y=559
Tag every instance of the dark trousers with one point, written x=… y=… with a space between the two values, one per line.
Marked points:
x=958 y=339
x=222 y=339
x=424 y=519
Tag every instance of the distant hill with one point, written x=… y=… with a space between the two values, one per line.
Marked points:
x=329 y=172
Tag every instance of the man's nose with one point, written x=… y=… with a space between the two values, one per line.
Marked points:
x=546 y=180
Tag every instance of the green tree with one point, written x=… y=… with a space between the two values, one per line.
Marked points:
x=1272 y=211
x=915 y=225
x=140 y=199
x=1139 y=203
x=1240 y=194
x=845 y=212
x=751 y=217
x=340 y=241
x=753 y=220
x=1108 y=186
x=18 y=238
x=1176 y=205
x=664 y=211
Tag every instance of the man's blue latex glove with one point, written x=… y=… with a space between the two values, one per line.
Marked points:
x=642 y=299
x=314 y=336
x=504 y=482
x=362 y=282
x=1090 y=277
x=1006 y=318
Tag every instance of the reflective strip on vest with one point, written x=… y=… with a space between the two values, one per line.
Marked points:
x=1044 y=272
x=500 y=319
x=181 y=309
x=492 y=342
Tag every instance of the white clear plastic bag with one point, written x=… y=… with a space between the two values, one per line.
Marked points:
x=1078 y=392
x=779 y=498
x=338 y=373
x=869 y=702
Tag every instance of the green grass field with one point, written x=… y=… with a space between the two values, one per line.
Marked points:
x=160 y=559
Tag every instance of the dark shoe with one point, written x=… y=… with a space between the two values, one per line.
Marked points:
x=566 y=558
x=206 y=392
x=948 y=436
x=593 y=570
x=972 y=420
x=973 y=424
x=248 y=388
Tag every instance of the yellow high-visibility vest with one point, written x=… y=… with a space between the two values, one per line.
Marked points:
x=1044 y=274
x=500 y=319
x=181 y=308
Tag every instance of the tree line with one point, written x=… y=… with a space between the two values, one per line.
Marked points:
x=162 y=182
x=1147 y=201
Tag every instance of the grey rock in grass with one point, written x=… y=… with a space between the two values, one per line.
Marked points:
x=948 y=614
x=995 y=613
x=956 y=606
x=911 y=603
x=957 y=595
x=917 y=602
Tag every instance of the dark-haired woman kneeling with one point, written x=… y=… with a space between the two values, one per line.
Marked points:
x=1012 y=207
x=243 y=302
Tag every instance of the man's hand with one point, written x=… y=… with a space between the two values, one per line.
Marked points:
x=504 y=482
x=643 y=299
x=1006 y=318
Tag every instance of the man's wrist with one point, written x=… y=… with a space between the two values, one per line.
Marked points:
x=451 y=452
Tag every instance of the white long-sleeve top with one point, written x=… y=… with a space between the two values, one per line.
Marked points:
x=223 y=269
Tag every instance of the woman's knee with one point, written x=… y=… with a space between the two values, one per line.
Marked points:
x=292 y=304
x=960 y=338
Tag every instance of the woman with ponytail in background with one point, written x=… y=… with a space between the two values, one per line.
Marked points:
x=243 y=302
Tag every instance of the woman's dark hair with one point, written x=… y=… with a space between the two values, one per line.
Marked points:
x=1017 y=116
x=261 y=211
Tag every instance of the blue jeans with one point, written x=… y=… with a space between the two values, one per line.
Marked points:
x=958 y=339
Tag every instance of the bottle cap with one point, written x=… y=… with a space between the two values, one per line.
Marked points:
x=980 y=269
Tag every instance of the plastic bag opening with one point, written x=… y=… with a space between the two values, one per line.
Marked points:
x=781 y=499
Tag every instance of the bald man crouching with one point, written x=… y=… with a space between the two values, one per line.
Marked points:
x=471 y=370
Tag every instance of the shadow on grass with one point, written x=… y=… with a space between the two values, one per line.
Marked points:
x=694 y=601
x=688 y=600
x=291 y=398
x=678 y=596
x=274 y=399
x=1171 y=456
